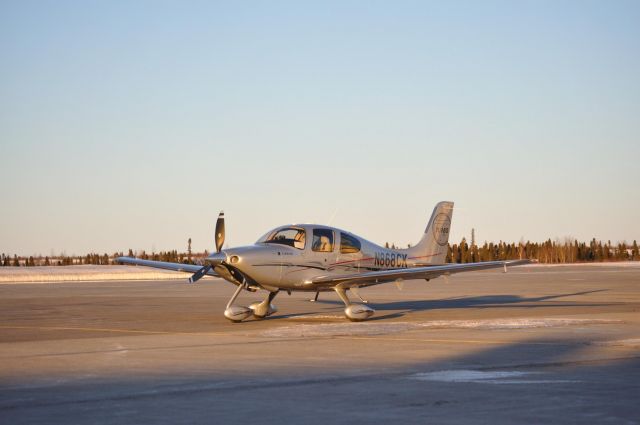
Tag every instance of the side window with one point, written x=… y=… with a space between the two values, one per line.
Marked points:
x=322 y=240
x=349 y=244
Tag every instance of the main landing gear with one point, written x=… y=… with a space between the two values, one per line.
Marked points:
x=262 y=309
x=354 y=290
x=354 y=312
x=259 y=310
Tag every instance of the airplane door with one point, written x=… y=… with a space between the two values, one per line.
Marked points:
x=322 y=250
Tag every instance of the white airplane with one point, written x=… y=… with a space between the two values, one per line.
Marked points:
x=315 y=258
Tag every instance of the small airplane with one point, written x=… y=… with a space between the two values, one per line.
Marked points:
x=315 y=258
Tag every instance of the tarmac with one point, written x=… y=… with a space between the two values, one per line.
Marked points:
x=535 y=345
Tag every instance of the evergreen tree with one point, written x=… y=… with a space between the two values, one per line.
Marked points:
x=607 y=251
x=622 y=254
x=464 y=251
x=474 y=253
x=457 y=254
x=599 y=252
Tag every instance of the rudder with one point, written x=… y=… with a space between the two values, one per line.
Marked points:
x=432 y=248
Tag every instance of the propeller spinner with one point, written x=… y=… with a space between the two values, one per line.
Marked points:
x=219 y=240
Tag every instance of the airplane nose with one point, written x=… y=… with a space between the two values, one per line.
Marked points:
x=216 y=258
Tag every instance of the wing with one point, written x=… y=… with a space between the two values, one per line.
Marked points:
x=188 y=268
x=428 y=272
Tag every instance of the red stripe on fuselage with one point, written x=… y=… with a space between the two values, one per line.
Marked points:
x=351 y=261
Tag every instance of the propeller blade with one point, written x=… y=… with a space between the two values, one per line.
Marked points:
x=220 y=231
x=200 y=274
x=212 y=259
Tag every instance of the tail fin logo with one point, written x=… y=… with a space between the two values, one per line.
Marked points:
x=441 y=226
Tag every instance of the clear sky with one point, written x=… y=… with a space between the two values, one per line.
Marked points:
x=131 y=124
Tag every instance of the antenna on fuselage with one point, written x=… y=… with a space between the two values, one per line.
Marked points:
x=335 y=212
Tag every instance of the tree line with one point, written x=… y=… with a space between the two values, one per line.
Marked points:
x=547 y=252
x=7 y=260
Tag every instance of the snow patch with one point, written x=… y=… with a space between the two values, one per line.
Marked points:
x=338 y=329
x=514 y=323
x=47 y=274
x=377 y=328
x=484 y=377
x=633 y=342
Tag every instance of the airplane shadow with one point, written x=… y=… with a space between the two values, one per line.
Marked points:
x=488 y=301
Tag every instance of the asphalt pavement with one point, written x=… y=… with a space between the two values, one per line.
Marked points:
x=535 y=345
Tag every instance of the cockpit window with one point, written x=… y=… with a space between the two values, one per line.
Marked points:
x=349 y=244
x=292 y=236
x=322 y=240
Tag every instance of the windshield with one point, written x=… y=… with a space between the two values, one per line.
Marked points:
x=291 y=236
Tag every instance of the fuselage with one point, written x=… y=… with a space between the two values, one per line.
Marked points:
x=289 y=257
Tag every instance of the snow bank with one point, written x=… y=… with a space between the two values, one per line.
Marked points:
x=84 y=273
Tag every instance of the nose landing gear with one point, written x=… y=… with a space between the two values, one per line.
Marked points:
x=237 y=313
x=260 y=310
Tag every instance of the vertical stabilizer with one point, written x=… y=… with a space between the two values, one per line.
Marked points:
x=432 y=248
